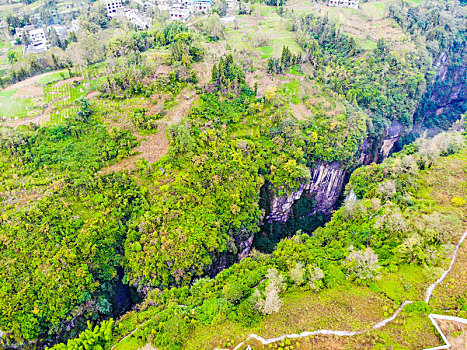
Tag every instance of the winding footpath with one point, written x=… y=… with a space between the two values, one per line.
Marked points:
x=432 y=317
x=428 y=294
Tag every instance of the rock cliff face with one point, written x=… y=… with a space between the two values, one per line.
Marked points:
x=393 y=133
x=444 y=102
x=325 y=187
x=446 y=97
x=239 y=249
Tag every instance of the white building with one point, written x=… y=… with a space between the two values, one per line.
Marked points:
x=37 y=37
x=113 y=6
x=75 y=26
x=138 y=20
x=232 y=6
x=163 y=5
x=203 y=6
x=180 y=12
x=344 y=3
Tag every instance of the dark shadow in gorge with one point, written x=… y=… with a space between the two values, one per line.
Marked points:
x=300 y=218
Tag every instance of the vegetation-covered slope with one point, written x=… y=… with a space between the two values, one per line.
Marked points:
x=347 y=276
x=75 y=235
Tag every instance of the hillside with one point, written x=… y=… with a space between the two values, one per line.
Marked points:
x=192 y=184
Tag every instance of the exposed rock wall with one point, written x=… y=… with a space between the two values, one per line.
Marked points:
x=325 y=186
x=446 y=97
x=393 y=133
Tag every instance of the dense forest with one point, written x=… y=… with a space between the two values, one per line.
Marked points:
x=166 y=251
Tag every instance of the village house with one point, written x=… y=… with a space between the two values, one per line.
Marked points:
x=36 y=36
x=61 y=30
x=138 y=20
x=203 y=6
x=344 y=3
x=113 y=6
x=163 y=5
x=180 y=11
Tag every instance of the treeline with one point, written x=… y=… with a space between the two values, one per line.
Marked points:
x=287 y=59
x=442 y=25
x=91 y=46
x=64 y=249
x=140 y=78
x=226 y=75
x=381 y=82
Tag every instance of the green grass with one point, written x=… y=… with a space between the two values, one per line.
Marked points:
x=295 y=70
x=291 y=90
x=14 y=107
x=53 y=77
x=368 y=44
x=267 y=51
x=273 y=27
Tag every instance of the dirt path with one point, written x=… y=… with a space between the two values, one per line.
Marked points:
x=36 y=119
x=153 y=147
x=429 y=291
x=454 y=331
x=27 y=83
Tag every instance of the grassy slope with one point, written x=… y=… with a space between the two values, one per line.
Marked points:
x=367 y=24
x=11 y=107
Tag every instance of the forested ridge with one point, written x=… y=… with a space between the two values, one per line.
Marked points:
x=81 y=244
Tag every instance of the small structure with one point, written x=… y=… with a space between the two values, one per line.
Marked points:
x=61 y=30
x=180 y=12
x=202 y=6
x=163 y=5
x=138 y=20
x=38 y=38
x=113 y=6
x=343 y=3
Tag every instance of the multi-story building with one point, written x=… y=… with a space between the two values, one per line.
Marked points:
x=344 y=3
x=180 y=12
x=113 y=6
x=36 y=36
x=163 y=5
x=138 y=20
x=203 y=6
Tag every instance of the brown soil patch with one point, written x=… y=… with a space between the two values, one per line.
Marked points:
x=25 y=83
x=37 y=119
x=93 y=94
x=68 y=81
x=263 y=79
x=300 y=111
x=455 y=332
x=454 y=286
x=184 y=99
x=203 y=70
x=151 y=148
x=29 y=92
x=163 y=69
x=154 y=146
